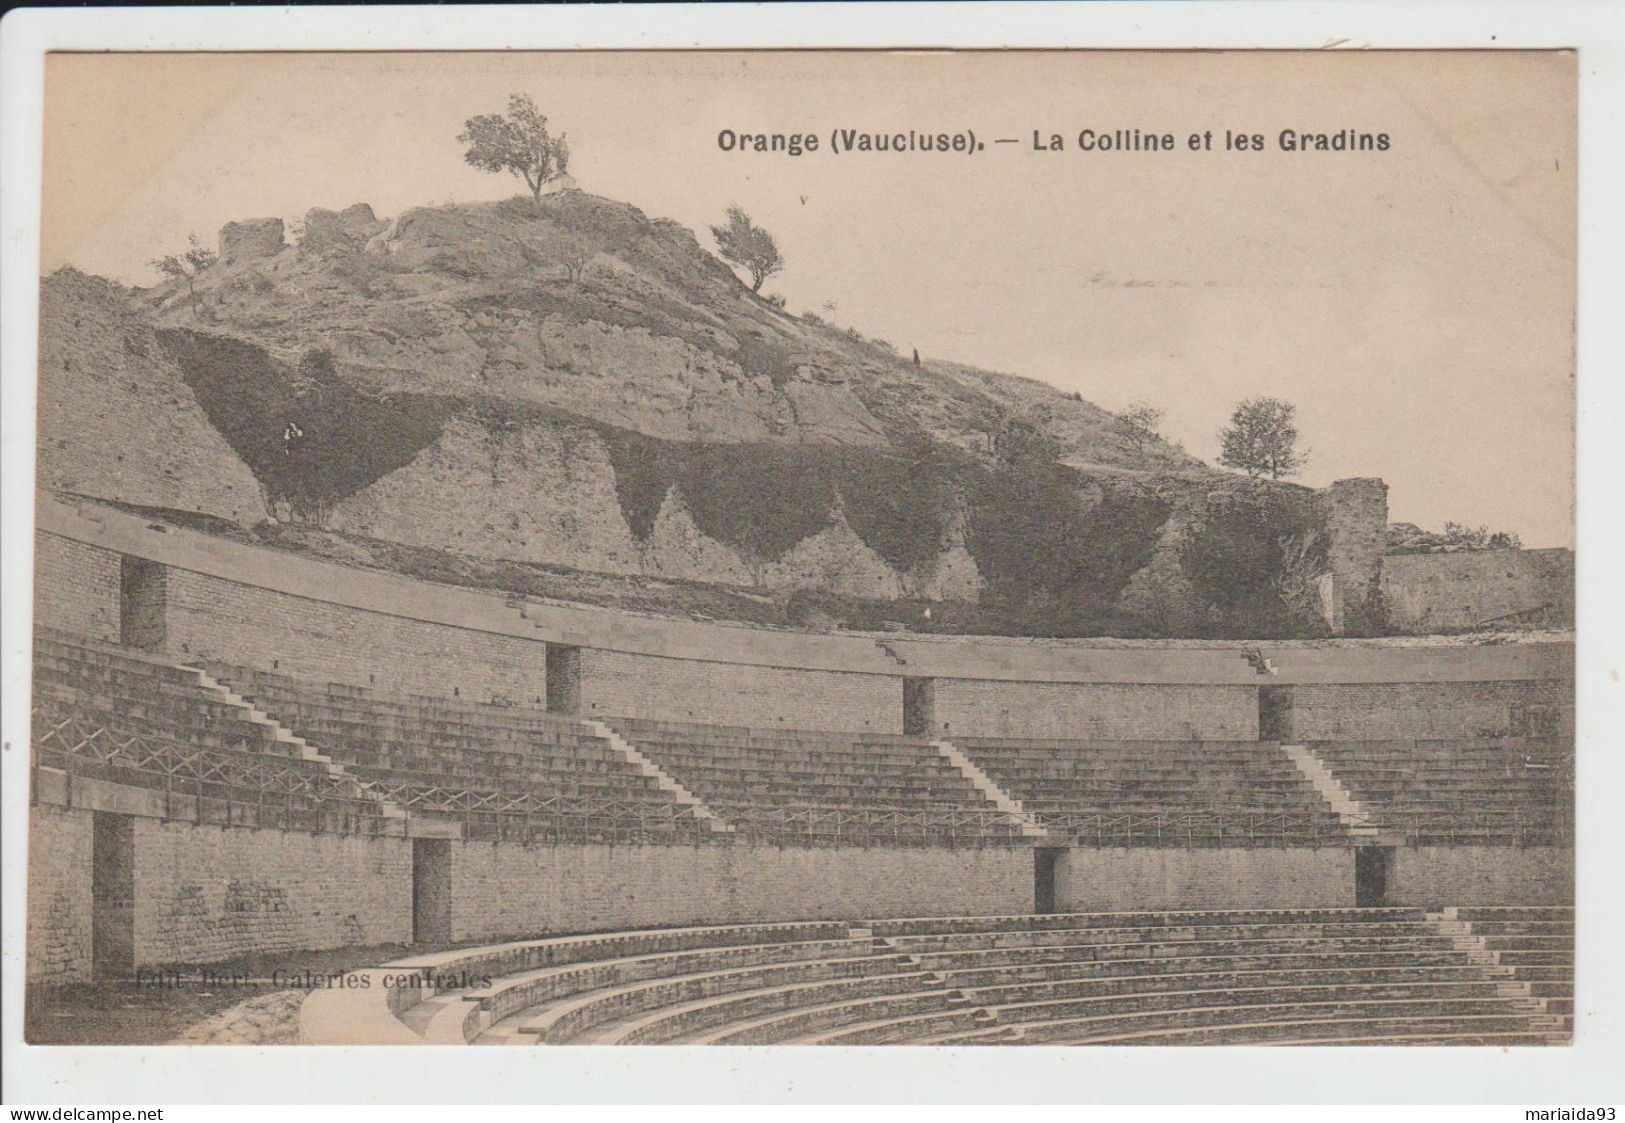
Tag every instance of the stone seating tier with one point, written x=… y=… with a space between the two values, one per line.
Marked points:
x=1269 y=977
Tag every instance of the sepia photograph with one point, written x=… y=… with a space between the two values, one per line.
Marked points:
x=790 y=548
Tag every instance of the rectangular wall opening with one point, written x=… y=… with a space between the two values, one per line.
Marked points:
x=563 y=678
x=1372 y=866
x=141 y=596
x=1044 y=863
x=112 y=891
x=431 y=890
x=1275 y=714
x=919 y=707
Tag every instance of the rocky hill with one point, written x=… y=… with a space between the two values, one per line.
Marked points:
x=578 y=385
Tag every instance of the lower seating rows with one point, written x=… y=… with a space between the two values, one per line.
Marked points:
x=1335 y=976
x=1537 y=944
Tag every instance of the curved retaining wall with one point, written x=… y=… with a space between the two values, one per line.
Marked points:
x=237 y=603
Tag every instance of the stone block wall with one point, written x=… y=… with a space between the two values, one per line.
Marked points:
x=624 y=685
x=503 y=889
x=1130 y=880
x=207 y=617
x=1429 y=593
x=76 y=587
x=1105 y=711
x=205 y=894
x=1451 y=710
x=1435 y=876
x=60 y=905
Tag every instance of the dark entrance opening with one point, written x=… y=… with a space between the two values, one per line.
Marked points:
x=919 y=707
x=112 y=896
x=140 y=603
x=431 y=890
x=563 y=678
x=1371 y=866
x=1044 y=861
x=1275 y=713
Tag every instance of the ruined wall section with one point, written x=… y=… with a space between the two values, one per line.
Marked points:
x=117 y=420
x=1356 y=514
x=1428 y=593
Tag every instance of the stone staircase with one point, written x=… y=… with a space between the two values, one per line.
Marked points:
x=1448 y=923
x=282 y=735
x=1353 y=814
x=991 y=790
x=662 y=779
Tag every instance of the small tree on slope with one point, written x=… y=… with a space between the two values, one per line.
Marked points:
x=186 y=266
x=1140 y=424
x=1262 y=439
x=748 y=246
x=519 y=144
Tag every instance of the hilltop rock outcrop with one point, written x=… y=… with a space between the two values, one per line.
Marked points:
x=250 y=240
x=576 y=385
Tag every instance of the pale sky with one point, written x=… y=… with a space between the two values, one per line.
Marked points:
x=1416 y=304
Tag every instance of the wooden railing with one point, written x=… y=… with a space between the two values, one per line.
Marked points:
x=238 y=786
x=880 y=826
x=1193 y=828
x=516 y=815
x=1519 y=826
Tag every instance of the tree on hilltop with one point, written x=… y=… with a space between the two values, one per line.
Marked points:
x=1262 y=439
x=749 y=247
x=186 y=266
x=519 y=144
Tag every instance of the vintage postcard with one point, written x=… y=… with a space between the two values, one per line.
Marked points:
x=930 y=548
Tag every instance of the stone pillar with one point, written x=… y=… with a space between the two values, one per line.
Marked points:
x=1356 y=514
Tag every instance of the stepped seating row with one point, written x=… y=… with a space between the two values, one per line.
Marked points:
x=1488 y=791
x=1537 y=943
x=500 y=770
x=108 y=714
x=497 y=766
x=1123 y=792
x=1335 y=976
x=834 y=787
x=160 y=699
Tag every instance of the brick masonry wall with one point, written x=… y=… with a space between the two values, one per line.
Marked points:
x=1128 y=880
x=76 y=587
x=622 y=685
x=1128 y=711
x=60 y=848
x=1443 y=592
x=207 y=617
x=1436 y=876
x=1401 y=710
x=204 y=894
x=502 y=889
